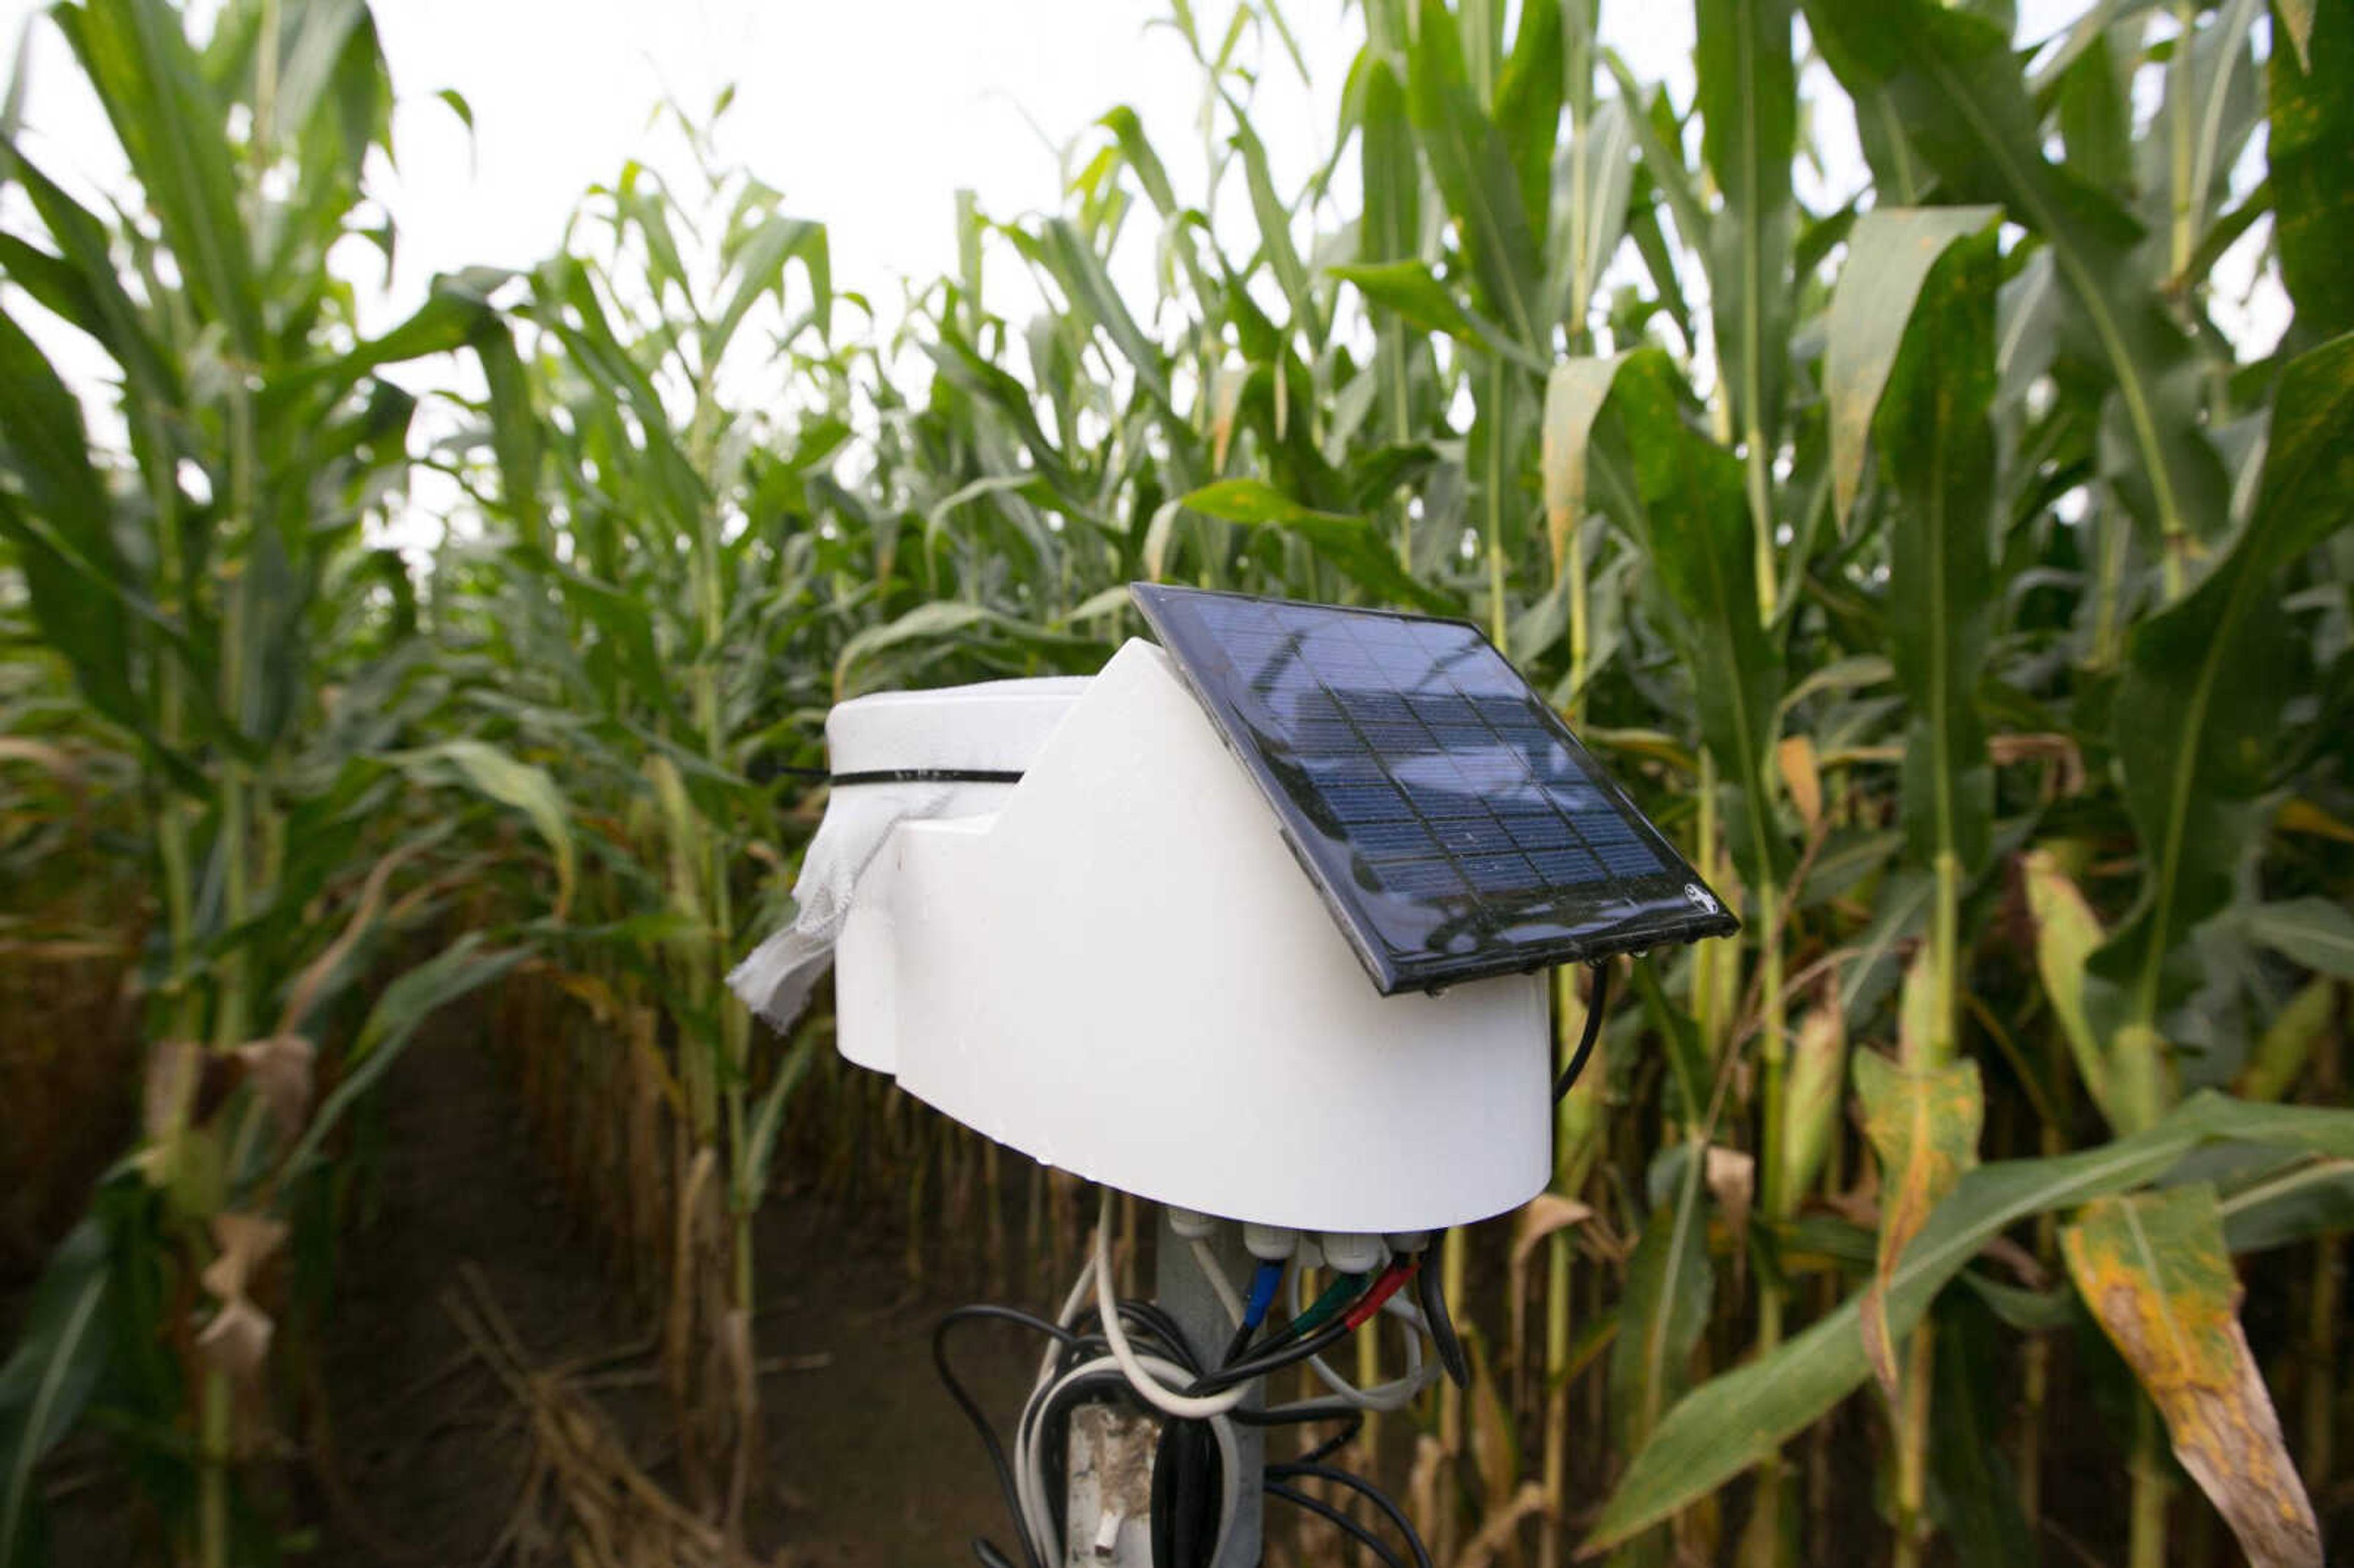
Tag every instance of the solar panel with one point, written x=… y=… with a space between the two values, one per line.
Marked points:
x=1453 y=824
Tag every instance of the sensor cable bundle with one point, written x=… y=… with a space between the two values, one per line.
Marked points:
x=1102 y=1349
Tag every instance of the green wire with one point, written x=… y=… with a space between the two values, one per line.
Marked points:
x=1337 y=1295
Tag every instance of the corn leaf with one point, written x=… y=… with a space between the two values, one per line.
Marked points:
x=1350 y=543
x=394 y=1021
x=1937 y=447
x=1889 y=255
x=2200 y=700
x=2313 y=932
x=1746 y=90
x=2311 y=125
x=2153 y=1268
x=1670 y=1288
x=1472 y=164
x=1701 y=545
x=1923 y=1124
x=48 y=1376
x=1954 y=81
x=1735 y=1420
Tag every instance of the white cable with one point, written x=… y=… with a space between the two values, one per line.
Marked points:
x=1081 y=1288
x=1167 y=1401
x=1385 y=1396
x=1207 y=1262
x=1030 y=1481
x=1382 y=1397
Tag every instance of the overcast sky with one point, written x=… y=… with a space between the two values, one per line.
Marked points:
x=868 y=114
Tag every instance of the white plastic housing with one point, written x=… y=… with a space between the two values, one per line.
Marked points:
x=995 y=728
x=1122 y=971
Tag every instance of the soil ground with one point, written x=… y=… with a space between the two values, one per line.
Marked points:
x=874 y=1465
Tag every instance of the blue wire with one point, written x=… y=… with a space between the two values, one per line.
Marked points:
x=1262 y=1292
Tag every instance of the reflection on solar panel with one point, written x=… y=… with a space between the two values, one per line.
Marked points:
x=1451 y=820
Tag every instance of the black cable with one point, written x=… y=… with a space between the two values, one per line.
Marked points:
x=1364 y=1488
x=1430 y=1292
x=1338 y=1441
x=966 y=1403
x=1594 y=1006
x=1260 y=1365
x=1244 y=1334
x=1155 y=1320
x=989 y=1556
x=993 y=1313
x=1338 y=1520
x=1188 y=1453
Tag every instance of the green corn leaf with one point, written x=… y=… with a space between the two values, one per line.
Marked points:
x=1273 y=215
x=1411 y=291
x=1350 y=543
x=1954 y=81
x=63 y=529
x=1670 y=1289
x=758 y=264
x=1592 y=183
x=1081 y=273
x=171 y=127
x=2295 y=1201
x=49 y=1377
x=1390 y=231
x=497 y=776
x=2313 y=932
x=1528 y=95
x=1890 y=254
x=1936 y=447
x=760 y=1146
x=1746 y=90
x=1472 y=163
x=394 y=1021
x=1701 y=547
x=1969 y=1417
x=2200 y=700
x=1732 y=1421
x=2311 y=125
x=1128 y=132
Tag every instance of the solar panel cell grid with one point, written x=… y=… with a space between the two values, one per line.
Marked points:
x=1452 y=822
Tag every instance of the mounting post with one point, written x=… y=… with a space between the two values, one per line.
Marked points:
x=1186 y=1296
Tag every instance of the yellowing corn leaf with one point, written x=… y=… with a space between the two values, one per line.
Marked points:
x=1810 y=1104
x=2298 y=815
x=1732 y=1178
x=2066 y=933
x=1916 y=1008
x=1574 y=394
x=1540 y=1217
x=2279 y=1058
x=1923 y=1124
x=1492 y=1447
x=2153 y=1268
x=1795 y=755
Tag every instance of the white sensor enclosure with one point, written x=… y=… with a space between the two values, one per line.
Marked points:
x=1116 y=966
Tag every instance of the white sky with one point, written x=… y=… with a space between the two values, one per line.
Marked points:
x=867 y=114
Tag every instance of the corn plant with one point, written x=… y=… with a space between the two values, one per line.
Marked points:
x=233 y=639
x=1929 y=557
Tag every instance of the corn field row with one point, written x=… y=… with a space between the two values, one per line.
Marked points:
x=1973 y=609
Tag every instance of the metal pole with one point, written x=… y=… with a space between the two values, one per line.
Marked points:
x=1185 y=1295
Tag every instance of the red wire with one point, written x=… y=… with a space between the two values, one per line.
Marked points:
x=1395 y=1276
